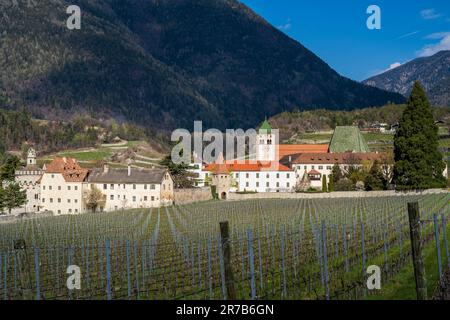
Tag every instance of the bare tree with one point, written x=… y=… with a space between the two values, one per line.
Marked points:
x=94 y=198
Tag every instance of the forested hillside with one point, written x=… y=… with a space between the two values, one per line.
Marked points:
x=290 y=123
x=163 y=64
x=18 y=131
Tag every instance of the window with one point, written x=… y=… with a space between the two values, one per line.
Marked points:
x=328 y=167
x=320 y=167
x=111 y=197
x=134 y=187
x=237 y=175
x=76 y=200
x=68 y=188
x=278 y=184
x=36 y=197
x=49 y=187
x=68 y=200
x=312 y=167
x=70 y=210
x=306 y=167
x=76 y=210
x=267 y=176
x=76 y=187
x=124 y=186
x=43 y=200
x=152 y=187
x=153 y=198
x=134 y=198
x=59 y=200
x=267 y=184
x=246 y=184
x=111 y=187
x=247 y=175
x=145 y=198
x=257 y=175
x=59 y=187
x=288 y=175
x=164 y=187
x=257 y=184
x=59 y=211
x=52 y=176
x=145 y=187
x=43 y=187
x=288 y=184
x=105 y=186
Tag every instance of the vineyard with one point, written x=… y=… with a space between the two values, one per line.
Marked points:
x=280 y=249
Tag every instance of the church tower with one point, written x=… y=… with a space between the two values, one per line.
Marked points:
x=31 y=158
x=266 y=143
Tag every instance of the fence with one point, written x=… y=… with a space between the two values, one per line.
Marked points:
x=313 y=252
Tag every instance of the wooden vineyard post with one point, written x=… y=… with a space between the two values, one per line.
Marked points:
x=416 y=246
x=438 y=245
x=226 y=253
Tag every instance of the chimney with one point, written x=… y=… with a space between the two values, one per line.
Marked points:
x=129 y=166
x=105 y=168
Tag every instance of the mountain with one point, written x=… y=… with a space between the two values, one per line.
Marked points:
x=433 y=73
x=164 y=63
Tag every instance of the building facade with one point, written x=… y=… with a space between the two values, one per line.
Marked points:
x=132 y=188
x=28 y=179
x=65 y=187
x=62 y=186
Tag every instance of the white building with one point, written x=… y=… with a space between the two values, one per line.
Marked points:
x=257 y=177
x=65 y=186
x=62 y=186
x=132 y=188
x=28 y=179
x=317 y=165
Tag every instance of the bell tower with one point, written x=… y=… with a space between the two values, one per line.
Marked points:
x=265 y=142
x=31 y=157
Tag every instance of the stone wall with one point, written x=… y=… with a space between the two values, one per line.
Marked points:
x=185 y=196
x=341 y=194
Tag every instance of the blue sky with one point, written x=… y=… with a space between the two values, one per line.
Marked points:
x=336 y=30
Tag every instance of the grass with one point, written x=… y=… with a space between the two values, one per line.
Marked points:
x=94 y=155
x=403 y=286
x=375 y=137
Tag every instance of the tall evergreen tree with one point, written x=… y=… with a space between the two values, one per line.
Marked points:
x=375 y=180
x=418 y=162
x=2 y=200
x=14 y=197
x=8 y=170
x=324 y=183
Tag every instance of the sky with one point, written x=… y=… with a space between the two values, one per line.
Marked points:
x=337 y=32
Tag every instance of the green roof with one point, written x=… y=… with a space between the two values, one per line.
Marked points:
x=348 y=139
x=265 y=127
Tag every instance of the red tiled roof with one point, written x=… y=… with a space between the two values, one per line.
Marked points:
x=314 y=172
x=236 y=166
x=68 y=167
x=332 y=158
x=289 y=149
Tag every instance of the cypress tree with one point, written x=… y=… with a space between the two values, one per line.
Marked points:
x=418 y=162
x=324 y=184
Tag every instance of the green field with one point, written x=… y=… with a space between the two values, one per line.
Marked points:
x=280 y=249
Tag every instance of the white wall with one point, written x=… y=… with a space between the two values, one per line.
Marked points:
x=60 y=196
x=29 y=181
x=265 y=180
x=129 y=196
